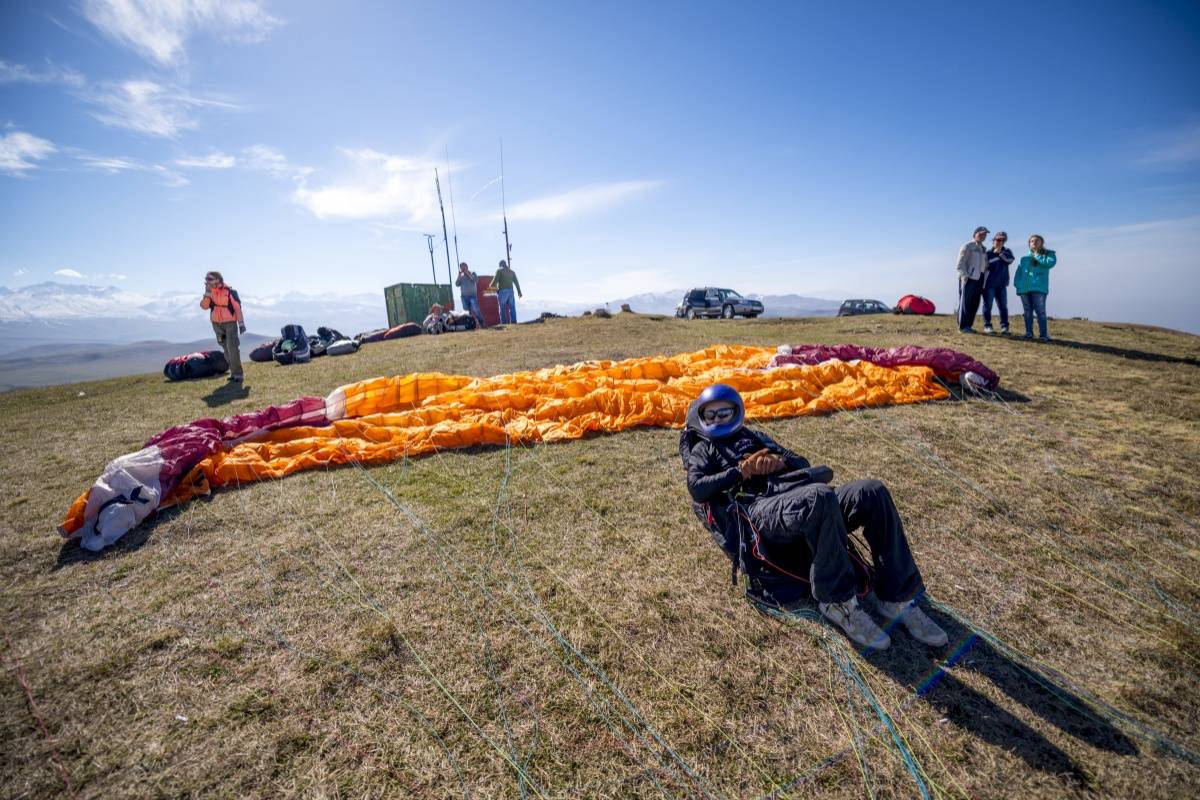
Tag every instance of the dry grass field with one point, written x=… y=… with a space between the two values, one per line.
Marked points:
x=552 y=622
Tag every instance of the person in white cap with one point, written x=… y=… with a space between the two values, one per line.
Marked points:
x=972 y=267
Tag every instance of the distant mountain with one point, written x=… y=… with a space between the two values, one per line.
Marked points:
x=52 y=312
x=774 y=305
x=51 y=364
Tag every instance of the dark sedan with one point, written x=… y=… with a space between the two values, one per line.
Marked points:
x=713 y=302
x=852 y=308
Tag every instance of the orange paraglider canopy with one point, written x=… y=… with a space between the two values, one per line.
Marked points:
x=389 y=418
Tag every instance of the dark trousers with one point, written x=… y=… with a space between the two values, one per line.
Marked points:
x=819 y=517
x=227 y=338
x=1000 y=295
x=968 y=301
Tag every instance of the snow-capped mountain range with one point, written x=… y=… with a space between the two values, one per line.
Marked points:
x=52 y=312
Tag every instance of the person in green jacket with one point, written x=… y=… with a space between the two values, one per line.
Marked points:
x=1032 y=283
x=503 y=283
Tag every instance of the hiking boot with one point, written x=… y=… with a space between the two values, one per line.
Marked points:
x=988 y=329
x=922 y=628
x=855 y=623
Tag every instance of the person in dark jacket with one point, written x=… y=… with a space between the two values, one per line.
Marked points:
x=995 y=282
x=742 y=474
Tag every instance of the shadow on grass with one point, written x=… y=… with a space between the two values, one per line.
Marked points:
x=915 y=666
x=1123 y=352
x=70 y=553
x=226 y=393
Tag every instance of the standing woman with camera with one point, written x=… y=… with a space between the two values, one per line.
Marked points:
x=225 y=312
x=1032 y=283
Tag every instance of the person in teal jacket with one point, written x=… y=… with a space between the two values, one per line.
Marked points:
x=1032 y=283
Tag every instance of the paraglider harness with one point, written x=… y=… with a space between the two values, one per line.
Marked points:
x=768 y=582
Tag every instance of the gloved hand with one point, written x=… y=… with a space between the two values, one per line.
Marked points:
x=763 y=462
x=241 y=327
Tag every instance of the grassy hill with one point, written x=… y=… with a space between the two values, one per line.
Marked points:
x=553 y=622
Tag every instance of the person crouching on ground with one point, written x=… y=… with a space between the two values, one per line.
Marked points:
x=435 y=322
x=225 y=312
x=468 y=292
x=732 y=464
x=995 y=283
x=1032 y=283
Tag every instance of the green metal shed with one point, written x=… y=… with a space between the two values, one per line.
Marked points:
x=410 y=302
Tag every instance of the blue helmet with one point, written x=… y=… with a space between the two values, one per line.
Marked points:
x=718 y=429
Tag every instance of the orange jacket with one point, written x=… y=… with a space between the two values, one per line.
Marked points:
x=222 y=305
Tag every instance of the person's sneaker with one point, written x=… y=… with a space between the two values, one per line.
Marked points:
x=1004 y=331
x=855 y=623
x=1043 y=338
x=988 y=329
x=1027 y=336
x=235 y=379
x=966 y=330
x=922 y=628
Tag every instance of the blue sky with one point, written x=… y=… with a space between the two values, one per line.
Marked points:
x=823 y=149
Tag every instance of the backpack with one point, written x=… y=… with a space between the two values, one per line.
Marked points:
x=292 y=347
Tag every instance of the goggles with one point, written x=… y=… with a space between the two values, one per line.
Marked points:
x=718 y=414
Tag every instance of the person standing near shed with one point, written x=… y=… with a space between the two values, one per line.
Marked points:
x=468 y=291
x=225 y=312
x=504 y=282
x=995 y=283
x=972 y=266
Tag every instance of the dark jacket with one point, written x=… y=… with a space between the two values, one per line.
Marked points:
x=715 y=483
x=712 y=464
x=997 y=272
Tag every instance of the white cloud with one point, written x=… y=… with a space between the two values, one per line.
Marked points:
x=399 y=188
x=113 y=165
x=591 y=198
x=20 y=272
x=110 y=164
x=151 y=108
x=1179 y=147
x=264 y=158
x=116 y=276
x=214 y=160
x=51 y=74
x=19 y=151
x=67 y=272
x=159 y=29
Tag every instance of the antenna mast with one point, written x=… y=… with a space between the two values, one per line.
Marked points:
x=445 y=237
x=429 y=237
x=504 y=210
x=453 y=218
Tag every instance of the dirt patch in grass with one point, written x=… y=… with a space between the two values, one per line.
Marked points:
x=552 y=621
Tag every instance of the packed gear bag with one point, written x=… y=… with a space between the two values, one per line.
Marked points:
x=196 y=365
x=914 y=304
x=293 y=347
x=265 y=351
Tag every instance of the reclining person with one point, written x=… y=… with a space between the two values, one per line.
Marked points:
x=744 y=474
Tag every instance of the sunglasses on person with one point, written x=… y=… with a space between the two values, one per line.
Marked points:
x=718 y=414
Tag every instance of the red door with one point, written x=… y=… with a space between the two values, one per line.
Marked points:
x=489 y=306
